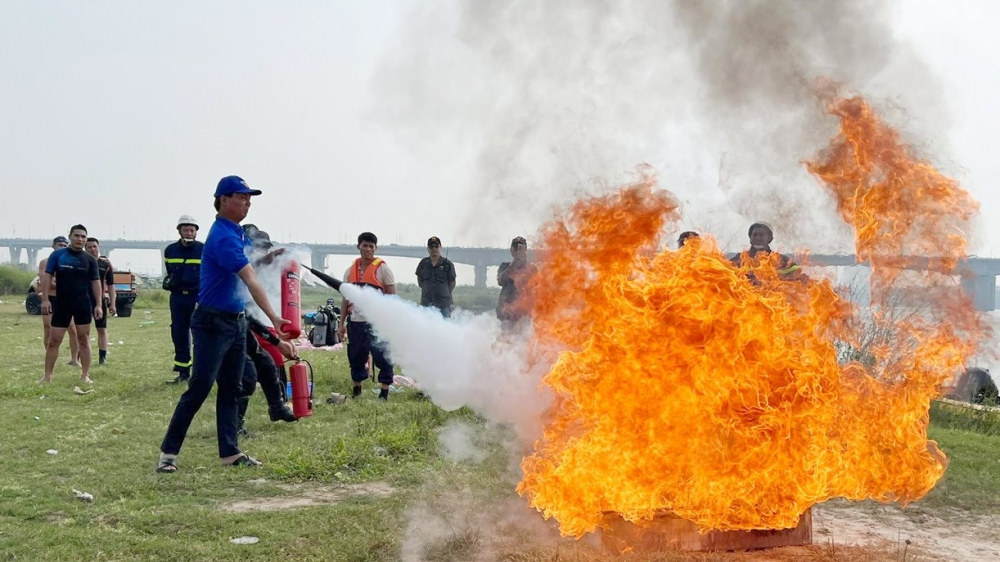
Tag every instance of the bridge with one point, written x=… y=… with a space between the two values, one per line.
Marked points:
x=479 y=258
x=978 y=275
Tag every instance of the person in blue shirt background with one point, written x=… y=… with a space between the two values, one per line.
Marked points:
x=219 y=328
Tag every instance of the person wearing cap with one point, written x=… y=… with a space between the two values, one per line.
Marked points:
x=219 y=327
x=513 y=278
x=436 y=278
x=361 y=341
x=182 y=265
x=761 y=235
x=58 y=243
x=79 y=299
x=106 y=272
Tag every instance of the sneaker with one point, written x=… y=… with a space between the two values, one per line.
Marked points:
x=179 y=379
x=383 y=394
x=102 y=361
x=281 y=413
x=356 y=392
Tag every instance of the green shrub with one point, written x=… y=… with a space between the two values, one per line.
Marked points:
x=14 y=280
x=150 y=298
x=985 y=421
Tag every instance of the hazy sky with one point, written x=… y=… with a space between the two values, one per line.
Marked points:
x=464 y=120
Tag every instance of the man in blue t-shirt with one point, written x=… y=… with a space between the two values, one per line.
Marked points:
x=80 y=296
x=219 y=328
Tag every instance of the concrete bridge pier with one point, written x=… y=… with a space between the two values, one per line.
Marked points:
x=480 y=269
x=15 y=255
x=982 y=290
x=32 y=258
x=319 y=261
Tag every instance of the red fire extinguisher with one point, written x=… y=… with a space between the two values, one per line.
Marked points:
x=291 y=301
x=301 y=388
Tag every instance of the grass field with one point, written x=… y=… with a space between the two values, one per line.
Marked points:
x=360 y=481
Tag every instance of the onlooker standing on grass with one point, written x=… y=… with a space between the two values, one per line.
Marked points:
x=58 y=243
x=371 y=271
x=79 y=299
x=107 y=274
x=182 y=264
x=436 y=278
x=219 y=328
x=513 y=277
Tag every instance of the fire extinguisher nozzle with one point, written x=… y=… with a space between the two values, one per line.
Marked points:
x=331 y=281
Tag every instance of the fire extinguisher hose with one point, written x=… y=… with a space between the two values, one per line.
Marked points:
x=311 y=385
x=331 y=281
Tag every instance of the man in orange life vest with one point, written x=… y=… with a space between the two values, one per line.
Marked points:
x=371 y=271
x=761 y=235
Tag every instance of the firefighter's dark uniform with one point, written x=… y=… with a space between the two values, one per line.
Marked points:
x=183 y=267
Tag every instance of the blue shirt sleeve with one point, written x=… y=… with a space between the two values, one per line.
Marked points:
x=231 y=254
x=50 y=266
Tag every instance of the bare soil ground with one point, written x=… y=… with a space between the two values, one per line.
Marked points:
x=842 y=532
x=942 y=535
x=298 y=497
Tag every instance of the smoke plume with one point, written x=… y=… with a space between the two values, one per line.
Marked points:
x=525 y=103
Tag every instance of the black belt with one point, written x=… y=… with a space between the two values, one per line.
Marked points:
x=220 y=312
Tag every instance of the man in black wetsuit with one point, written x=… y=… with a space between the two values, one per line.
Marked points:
x=260 y=367
x=79 y=299
x=106 y=272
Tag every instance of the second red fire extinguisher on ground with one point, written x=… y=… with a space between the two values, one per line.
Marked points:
x=302 y=384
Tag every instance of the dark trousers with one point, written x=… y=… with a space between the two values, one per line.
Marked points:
x=181 y=310
x=360 y=343
x=219 y=354
x=260 y=367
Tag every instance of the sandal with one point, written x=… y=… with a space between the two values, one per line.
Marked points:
x=167 y=466
x=246 y=460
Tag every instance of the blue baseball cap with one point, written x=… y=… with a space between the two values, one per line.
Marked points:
x=234 y=184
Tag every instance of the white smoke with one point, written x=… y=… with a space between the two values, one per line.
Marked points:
x=460 y=442
x=269 y=276
x=459 y=362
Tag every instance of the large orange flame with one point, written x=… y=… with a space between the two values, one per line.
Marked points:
x=737 y=405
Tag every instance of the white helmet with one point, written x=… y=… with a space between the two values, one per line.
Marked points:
x=187 y=219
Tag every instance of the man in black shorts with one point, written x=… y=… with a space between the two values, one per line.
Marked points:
x=106 y=272
x=79 y=299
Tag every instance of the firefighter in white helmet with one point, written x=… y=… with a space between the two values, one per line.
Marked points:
x=182 y=272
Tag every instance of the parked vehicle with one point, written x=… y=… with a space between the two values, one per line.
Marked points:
x=976 y=386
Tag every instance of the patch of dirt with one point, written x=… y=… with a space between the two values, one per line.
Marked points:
x=57 y=517
x=940 y=535
x=300 y=496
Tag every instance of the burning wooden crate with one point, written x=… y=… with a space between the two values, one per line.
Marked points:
x=667 y=532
